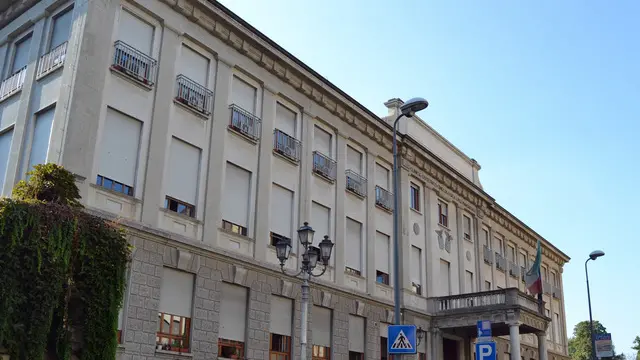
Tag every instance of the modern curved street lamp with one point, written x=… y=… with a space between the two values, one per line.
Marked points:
x=310 y=258
x=593 y=256
x=408 y=109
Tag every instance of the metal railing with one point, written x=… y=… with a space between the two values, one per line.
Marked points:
x=52 y=60
x=546 y=287
x=245 y=122
x=488 y=254
x=501 y=262
x=523 y=272
x=556 y=292
x=134 y=63
x=13 y=83
x=324 y=166
x=514 y=269
x=501 y=297
x=193 y=95
x=286 y=145
x=356 y=183
x=384 y=198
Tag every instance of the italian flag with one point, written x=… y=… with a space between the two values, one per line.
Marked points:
x=532 y=278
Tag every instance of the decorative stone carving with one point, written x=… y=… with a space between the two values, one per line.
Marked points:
x=447 y=243
x=389 y=316
x=360 y=308
x=440 y=239
x=286 y=288
x=468 y=255
x=416 y=228
x=239 y=275
x=184 y=258
x=326 y=299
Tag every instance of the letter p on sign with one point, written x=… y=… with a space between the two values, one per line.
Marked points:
x=486 y=351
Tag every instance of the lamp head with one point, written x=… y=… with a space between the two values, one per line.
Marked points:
x=283 y=250
x=325 y=250
x=313 y=253
x=596 y=254
x=305 y=234
x=412 y=106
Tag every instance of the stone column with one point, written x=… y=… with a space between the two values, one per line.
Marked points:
x=437 y=349
x=153 y=196
x=542 y=345
x=341 y=221
x=514 y=338
x=263 y=213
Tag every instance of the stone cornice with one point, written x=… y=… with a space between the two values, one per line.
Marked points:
x=241 y=36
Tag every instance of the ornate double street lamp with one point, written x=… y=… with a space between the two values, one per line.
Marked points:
x=310 y=258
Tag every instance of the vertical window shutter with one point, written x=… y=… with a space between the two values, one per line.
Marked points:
x=354 y=160
x=5 y=149
x=354 y=244
x=135 y=32
x=21 y=55
x=237 y=185
x=356 y=333
x=468 y=281
x=321 y=221
x=120 y=147
x=445 y=278
x=233 y=312
x=321 y=141
x=281 y=309
x=183 y=171
x=321 y=326
x=282 y=211
x=285 y=120
x=41 y=137
x=382 y=252
x=194 y=66
x=244 y=95
x=416 y=255
x=382 y=177
x=176 y=292
x=61 y=29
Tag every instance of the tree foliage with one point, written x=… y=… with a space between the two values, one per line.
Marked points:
x=580 y=342
x=63 y=272
x=636 y=347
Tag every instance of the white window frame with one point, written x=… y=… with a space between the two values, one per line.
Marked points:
x=68 y=6
x=11 y=60
x=241 y=74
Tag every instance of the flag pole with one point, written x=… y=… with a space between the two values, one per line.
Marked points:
x=541 y=304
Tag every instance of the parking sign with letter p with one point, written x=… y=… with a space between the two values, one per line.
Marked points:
x=486 y=351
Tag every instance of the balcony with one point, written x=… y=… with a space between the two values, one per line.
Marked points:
x=523 y=272
x=286 y=145
x=193 y=95
x=546 y=287
x=555 y=291
x=356 y=183
x=324 y=166
x=384 y=199
x=488 y=255
x=52 y=60
x=245 y=123
x=134 y=63
x=501 y=262
x=13 y=83
x=514 y=270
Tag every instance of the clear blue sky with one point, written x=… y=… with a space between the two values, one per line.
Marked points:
x=544 y=94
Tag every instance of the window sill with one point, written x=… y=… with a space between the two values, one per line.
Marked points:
x=242 y=135
x=384 y=209
x=468 y=240
x=130 y=79
x=11 y=94
x=286 y=158
x=359 y=196
x=118 y=194
x=323 y=177
x=444 y=227
x=50 y=71
x=384 y=285
x=190 y=219
x=274 y=248
x=355 y=276
x=173 y=353
x=193 y=111
x=501 y=270
x=416 y=211
x=236 y=235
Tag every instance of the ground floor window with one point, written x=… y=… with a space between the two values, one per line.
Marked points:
x=280 y=348
x=230 y=349
x=173 y=332
x=356 y=355
x=321 y=352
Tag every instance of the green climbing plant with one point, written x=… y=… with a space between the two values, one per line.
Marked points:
x=63 y=272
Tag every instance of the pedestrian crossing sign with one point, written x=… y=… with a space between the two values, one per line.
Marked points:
x=402 y=339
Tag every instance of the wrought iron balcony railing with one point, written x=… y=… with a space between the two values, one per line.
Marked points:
x=514 y=269
x=52 y=60
x=286 y=145
x=523 y=272
x=356 y=183
x=245 y=122
x=501 y=262
x=193 y=95
x=546 y=287
x=555 y=290
x=324 y=166
x=13 y=83
x=134 y=63
x=384 y=198
x=488 y=255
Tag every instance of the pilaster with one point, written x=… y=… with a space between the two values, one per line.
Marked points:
x=159 y=140
x=479 y=253
x=341 y=185
x=493 y=265
x=306 y=164
x=370 y=241
x=461 y=260
x=404 y=242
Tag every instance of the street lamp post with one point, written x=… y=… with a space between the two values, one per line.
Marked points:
x=594 y=255
x=310 y=258
x=407 y=109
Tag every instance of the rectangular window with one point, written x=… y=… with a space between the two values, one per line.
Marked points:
x=281 y=213
x=233 y=318
x=321 y=220
x=280 y=327
x=321 y=332
x=321 y=141
x=416 y=269
x=382 y=176
x=485 y=238
x=497 y=244
x=354 y=247
x=116 y=186
x=237 y=187
x=194 y=66
x=285 y=120
x=545 y=274
x=174 y=325
x=135 y=32
x=445 y=278
x=487 y=285
x=522 y=260
x=468 y=281
x=443 y=212
x=466 y=223
x=382 y=258
x=119 y=151
x=244 y=95
x=556 y=328
x=415 y=197
x=384 y=334
x=512 y=253
x=356 y=337
x=183 y=173
x=61 y=29
x=41 y=137
x=354 y=160
x=5 y=149
x=554 y=279
x=21 y=54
